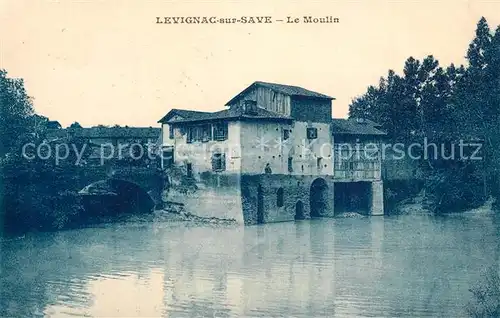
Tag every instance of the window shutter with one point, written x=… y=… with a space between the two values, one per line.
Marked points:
x=214 y=162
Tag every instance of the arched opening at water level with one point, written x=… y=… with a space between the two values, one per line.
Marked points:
x=114 y=196
x=299 y=210
x=318 y=198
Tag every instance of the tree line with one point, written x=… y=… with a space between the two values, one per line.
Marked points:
x=446 y=105
x=34 y=194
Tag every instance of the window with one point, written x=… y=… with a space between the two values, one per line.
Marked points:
x=206 y=133
x=167 y=157
x=220 y=131
x=312 y=133
x=219 y=161
x=195 y=133
x=286 y=134
x=189 y=170
x=318 y=162
x=170 y=131
x=369 y=174
x=290 y=164
x=279 y=198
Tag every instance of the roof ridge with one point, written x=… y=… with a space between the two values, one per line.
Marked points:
x=280 y=84
x=187 y=110
x=286 y=89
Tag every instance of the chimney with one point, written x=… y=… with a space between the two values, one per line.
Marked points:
x=250 y=107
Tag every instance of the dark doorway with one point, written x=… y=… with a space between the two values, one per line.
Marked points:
x=189 y=170
x=318 y=198
x=260 y=205
x=352 y=197
x=299 y=210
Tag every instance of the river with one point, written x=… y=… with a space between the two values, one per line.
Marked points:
x=368 y=267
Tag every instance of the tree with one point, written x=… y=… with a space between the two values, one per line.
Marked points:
x=75 y=125
x=480 y=44
x=53 y=124
x=477 y=99
x=445 y=105
x=15 y=110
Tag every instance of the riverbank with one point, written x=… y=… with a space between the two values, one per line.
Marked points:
x=169 y=215
x=420 y=205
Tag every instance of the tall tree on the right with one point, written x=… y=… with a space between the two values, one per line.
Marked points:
x=477 y=99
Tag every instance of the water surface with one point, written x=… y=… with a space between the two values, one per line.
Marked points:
x=371 y=267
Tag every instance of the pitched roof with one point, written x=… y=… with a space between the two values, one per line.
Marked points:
x=187 y=114
x=281 y=88
x=109 y=132
x=231 y=113
x=342 y=126
x=371 y=122
x=56 y=133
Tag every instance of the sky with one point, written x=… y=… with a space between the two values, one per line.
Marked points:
x=108 y=62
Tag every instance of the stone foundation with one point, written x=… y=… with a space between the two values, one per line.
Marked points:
x=210 y=195
x=261 y=202
x=265 y=198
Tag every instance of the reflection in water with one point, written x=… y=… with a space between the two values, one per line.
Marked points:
x=404 y=266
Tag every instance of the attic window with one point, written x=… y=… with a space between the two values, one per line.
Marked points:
x=250 y=107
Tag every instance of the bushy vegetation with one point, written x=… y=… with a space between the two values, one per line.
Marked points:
x=33 y=193
x=397 y=192
x=486 y=296
x=36 y=196
x=446 y=105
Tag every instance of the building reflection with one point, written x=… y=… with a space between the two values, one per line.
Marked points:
x=324 y=267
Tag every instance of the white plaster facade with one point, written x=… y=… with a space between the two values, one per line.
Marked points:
x=267 y=133
x=250 y=146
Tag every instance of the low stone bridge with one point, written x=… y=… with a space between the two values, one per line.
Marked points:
x=122 y=186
